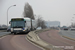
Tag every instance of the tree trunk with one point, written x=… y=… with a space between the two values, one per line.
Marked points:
x=31 y=25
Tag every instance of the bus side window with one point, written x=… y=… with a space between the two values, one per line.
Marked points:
x=25 y=23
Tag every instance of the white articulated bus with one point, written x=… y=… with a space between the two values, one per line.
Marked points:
x=19 y=25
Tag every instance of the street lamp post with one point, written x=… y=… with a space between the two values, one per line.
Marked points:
x=7 y=14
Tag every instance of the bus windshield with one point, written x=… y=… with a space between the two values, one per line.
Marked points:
x=17 y=24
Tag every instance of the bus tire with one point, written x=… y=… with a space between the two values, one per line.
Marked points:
x=14 y=33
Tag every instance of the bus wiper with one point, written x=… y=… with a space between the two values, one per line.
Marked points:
x=20 y=26
x=15 y=27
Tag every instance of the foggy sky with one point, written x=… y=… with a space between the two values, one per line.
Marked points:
x=50 y=10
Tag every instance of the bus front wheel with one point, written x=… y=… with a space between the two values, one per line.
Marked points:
x=11 y=32
x=14 y=33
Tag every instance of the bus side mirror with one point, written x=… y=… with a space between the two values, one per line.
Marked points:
x=25 y=21
x=9 y=22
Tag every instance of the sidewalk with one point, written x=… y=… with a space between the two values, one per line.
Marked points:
x=33 y=37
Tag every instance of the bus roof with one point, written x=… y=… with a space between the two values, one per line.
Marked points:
x=26 y=18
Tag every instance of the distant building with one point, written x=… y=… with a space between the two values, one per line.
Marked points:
x=52 y=24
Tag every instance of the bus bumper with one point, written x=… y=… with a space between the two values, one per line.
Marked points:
x=19 y=31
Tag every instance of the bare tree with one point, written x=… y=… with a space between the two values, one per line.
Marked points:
x=28 y=11
x=41 y=22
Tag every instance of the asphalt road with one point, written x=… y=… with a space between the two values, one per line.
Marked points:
x=53 y=37
x=4 y=33
x=16 y=42
x=68 y=33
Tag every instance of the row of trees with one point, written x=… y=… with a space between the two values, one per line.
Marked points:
x=40 y=22
x=28 y=12
x=3 y=26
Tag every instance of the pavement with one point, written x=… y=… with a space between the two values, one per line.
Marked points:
x=45 y=39
x=33 y=37
x=16 y=42
x=68 y=34
x=53 y=37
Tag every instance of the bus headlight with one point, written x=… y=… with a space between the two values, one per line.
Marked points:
x=23 y=30
x=11 y=29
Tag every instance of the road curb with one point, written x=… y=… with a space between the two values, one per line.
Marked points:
x=37 y=44
x=68 y=37
x=34 y=38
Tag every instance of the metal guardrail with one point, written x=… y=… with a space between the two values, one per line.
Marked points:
x=3 y=28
